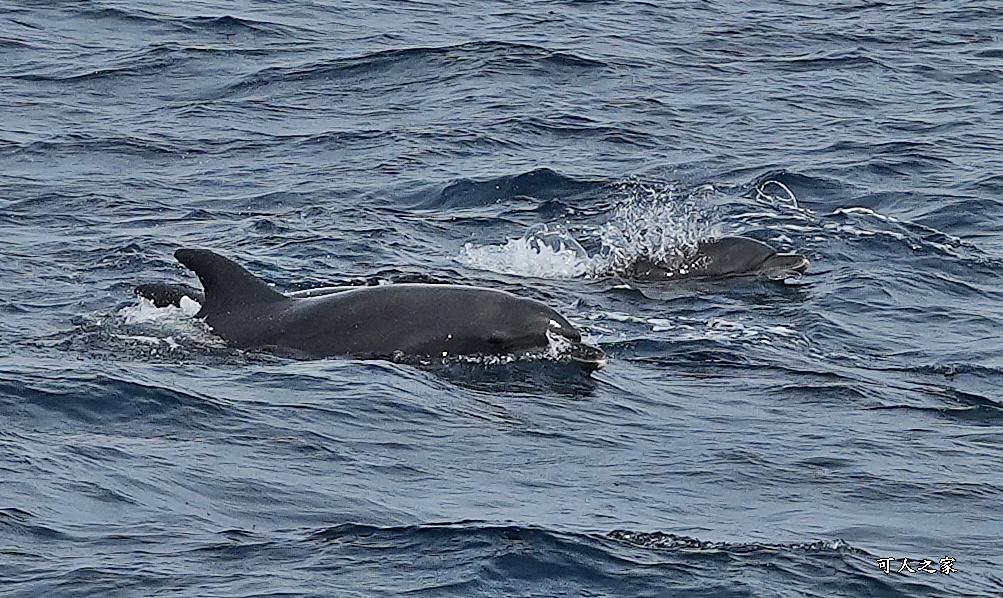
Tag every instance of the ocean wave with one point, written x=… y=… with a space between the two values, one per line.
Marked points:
x=542 y=184
x=833 y=60
x=563 y=127
x=147 y=61
x=482 y=58
x=479 y=558
x=230 y=25
x=102 y=399
x=18 y=522
x=219 y=25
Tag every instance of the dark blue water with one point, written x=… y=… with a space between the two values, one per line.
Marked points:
x=748 y=438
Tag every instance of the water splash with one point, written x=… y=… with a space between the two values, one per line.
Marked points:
x=716 y=329
x=650 y=220
x=656 y=222
x=170 y=327
x=145 y=312
x=558 y=349
x=544 y=251
x=776 y=194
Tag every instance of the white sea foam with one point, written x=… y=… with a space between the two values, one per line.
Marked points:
x=691 y=329
x=167 y=326
x=776 y=194
x=189 y=306
x=545 y=251
x=143 y=312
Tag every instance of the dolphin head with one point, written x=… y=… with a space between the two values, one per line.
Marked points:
x=724 y=258
x=781 y=265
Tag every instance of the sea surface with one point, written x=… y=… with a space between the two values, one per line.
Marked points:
x=748 y=438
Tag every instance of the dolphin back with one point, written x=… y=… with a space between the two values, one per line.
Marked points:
x=227 y=285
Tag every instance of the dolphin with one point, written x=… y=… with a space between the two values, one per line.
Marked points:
x=398 y=321
x=724 y=258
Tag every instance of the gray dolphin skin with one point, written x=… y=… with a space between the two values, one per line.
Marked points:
x=413 y=320
x=724 y=258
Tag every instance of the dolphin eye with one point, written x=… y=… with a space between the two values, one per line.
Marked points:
x=555 y=324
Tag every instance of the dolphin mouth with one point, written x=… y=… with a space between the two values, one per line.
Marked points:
x=588 y=356
x=565 y=344
x=782 y=265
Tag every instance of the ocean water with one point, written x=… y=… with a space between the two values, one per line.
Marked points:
x=748 y=437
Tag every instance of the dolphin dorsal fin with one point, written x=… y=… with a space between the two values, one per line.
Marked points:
x=226 y=283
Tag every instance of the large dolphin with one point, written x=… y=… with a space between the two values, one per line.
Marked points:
x=723 y=258
x=389 y=321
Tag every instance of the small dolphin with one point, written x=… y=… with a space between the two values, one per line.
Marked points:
x=389 y=321
x=724 y=258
